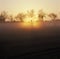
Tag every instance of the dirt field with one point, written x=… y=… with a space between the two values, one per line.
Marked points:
x=17 y=40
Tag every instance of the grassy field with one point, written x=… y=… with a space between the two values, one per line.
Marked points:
x=15 y=39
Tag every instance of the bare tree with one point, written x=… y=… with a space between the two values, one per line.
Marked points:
x=11 y=18
x=21 y=16
x=3 y=16
x=31 y=14
x=41 y=15
x=53 y=16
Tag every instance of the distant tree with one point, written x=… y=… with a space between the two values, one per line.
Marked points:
x=21 y=16
x=31 y=14
x=3 y=16
x=41 y=15
x=53 y=16
x=11 y=18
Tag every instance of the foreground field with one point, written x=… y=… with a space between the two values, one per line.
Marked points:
x=18 y=40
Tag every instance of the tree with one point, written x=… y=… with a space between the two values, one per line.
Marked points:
x=53 y=16
x=41 y=15
x=30 y=14
x=11 y=18
x=21 y=16
x=3 y=16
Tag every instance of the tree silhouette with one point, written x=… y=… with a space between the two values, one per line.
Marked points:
x=41 y=15
x=3 y=16
x=30 y=14
x=53 y=16
x=21 y=16
x=11 y=18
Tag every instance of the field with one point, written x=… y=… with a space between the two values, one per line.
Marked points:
x=16 y=40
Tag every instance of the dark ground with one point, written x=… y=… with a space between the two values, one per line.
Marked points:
x=19 y=43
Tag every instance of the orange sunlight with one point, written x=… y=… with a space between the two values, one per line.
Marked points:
x=30 y=25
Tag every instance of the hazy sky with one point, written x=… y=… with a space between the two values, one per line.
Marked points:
x=15 y=6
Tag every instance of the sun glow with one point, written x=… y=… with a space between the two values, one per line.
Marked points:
x=29 y=19
x=31 y=22
x=30 y=25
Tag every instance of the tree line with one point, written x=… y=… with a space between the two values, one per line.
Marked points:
x=4 y=17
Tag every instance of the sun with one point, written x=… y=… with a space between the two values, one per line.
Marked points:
x=31 y=19
x=31 y=22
